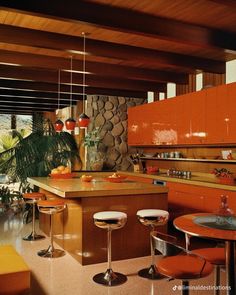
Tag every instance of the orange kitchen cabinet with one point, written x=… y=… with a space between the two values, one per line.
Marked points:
x=230 y=116
x=212 y=199
x=163 y=122
x=184 y=199
x=134 y=126
x=195 y=106
x=139 y=130
x=182 y=119
x=221 y=114
x=216 y=121
x=187 y=198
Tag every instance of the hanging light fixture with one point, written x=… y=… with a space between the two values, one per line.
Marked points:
x=70 y=123
x=83 y=118
x=58 y=125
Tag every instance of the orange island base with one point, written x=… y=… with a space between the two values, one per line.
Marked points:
x=74 y=229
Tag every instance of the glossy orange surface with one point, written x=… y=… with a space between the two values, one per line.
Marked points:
x=184 y=199
x=186 y=224
x=202 y=117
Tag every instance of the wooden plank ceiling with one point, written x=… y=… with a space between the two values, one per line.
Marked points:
x=131 y=47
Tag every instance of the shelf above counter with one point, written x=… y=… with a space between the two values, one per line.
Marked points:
x=190 y=160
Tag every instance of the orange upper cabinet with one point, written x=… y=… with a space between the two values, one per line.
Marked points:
x=134 y=132
x=221 y=114
x=216 y=121
x=195 y=111
x=139 y=131
x=163 y=122
x=230 y=114
x=182 y=119
x=202 y=117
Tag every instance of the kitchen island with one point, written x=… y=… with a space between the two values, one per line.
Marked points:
x=74 y=229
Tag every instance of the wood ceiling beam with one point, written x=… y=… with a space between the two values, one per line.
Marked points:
x=41 y=39
x=95 y=81
x=53 y=87
x=15 y=102
x=49 y=97
x=95 y=68
x=25 y=108
x=229 y=3
x=17 y=112
x=135 y=22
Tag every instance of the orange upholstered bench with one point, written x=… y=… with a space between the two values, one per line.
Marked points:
x=14 y=272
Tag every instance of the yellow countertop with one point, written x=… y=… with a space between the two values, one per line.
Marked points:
x=200 y=179
x=74 y=187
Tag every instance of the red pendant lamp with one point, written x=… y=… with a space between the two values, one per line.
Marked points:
x=83 y=118
x=58 y=125
x=70 y=123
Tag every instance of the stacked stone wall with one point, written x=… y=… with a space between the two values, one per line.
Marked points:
x=109 y=113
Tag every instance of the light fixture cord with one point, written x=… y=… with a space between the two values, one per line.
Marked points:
x=59 y=89
x=84 y=73
x=71 y=68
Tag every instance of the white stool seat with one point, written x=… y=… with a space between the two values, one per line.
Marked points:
x=106 y=215
x=152 y=213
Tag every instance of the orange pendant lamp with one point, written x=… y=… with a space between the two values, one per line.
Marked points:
x=83 y=118
x=58 y=125
x=70 y=123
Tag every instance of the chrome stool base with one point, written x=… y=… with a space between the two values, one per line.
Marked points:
x=33 y=237
x=150 y=273
x=110 y=278
x=51 y=253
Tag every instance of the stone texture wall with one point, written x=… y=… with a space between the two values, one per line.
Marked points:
x=110 y=114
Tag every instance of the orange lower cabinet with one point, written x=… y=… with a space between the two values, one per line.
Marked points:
x=186 y=199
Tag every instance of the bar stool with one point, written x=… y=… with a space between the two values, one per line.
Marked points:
x=32 y=199
x=216 y=256
x=177 y=263
x=152 y=218
x=109 y=220
x=51 y=207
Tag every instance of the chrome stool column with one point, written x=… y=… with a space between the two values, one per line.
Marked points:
x=51 y=207
x=110 y=220
x=152 y=218
x=33 y=198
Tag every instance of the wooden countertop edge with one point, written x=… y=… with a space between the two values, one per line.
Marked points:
x=204 y=182
x=100 y=193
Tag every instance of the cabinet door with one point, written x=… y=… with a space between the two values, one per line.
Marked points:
x=181 y=119
x=230 y=118
x=195 y=106
x=139 y=125
x=216 y=122
x=221 y=114
x=212 y=199
x=163 y=122
x=184 y=199
x=132 y=126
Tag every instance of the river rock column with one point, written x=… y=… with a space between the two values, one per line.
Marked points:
x=109 y=113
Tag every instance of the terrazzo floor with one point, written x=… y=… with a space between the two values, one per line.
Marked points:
x=65 y=276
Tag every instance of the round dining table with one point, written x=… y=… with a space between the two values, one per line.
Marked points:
x=205 y=225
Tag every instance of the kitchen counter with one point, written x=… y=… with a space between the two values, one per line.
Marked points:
x=74 y=187
x=200 y=179
x=74 y=229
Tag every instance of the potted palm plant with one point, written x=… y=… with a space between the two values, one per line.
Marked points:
x=38 y=153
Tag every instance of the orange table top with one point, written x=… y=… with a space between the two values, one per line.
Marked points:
x=187 y=225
